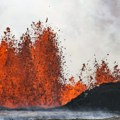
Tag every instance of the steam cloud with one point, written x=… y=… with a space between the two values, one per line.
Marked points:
x=89 y=27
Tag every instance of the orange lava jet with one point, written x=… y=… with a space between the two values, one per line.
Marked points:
x=31 y=73
x=105 y=75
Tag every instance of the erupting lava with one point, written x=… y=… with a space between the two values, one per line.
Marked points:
x=31 y=73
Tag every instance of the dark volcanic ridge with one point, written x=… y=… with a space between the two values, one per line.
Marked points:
x=103 y=97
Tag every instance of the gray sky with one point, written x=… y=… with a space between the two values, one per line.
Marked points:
x=89 y=26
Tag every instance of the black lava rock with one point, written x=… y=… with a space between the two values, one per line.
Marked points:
x=105 y=97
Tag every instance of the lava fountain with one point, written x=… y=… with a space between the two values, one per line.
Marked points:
x=31 y=73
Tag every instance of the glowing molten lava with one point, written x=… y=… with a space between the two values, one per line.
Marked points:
x=105 y=75
x=31 y=74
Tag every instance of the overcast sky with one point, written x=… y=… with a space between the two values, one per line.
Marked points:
x=88 y=26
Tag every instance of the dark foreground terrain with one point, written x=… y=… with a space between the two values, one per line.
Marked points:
x=104 y=97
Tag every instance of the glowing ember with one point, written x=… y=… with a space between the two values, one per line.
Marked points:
x=31 y=74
